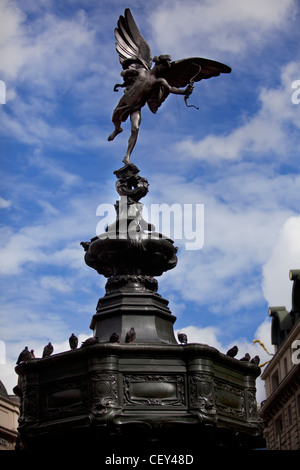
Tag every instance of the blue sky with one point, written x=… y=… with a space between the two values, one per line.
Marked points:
x=238 y=155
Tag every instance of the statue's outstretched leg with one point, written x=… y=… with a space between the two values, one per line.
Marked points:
x=135 y=119
x=118 y=130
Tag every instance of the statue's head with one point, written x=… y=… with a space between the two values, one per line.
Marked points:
x=164 y=60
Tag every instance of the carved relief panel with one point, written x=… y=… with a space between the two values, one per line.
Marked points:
x=202 y=393
x=230 y=399
x=104 y=393
x=63 y=398
x=158 y=390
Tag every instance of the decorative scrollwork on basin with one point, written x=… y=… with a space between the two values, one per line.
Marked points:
x=64 y=398
x=252 y=403
x=104 y=390
x=28 y=405
x=202 y=393
x=230 y=400
x=134 y=282
x=159 y=390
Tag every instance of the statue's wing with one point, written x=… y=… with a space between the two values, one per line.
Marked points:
x=130 y=43
x=181 y=72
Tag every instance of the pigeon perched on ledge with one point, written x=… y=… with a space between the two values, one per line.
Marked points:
x=232 y=352
x=246 y=358
x=73 y=341
x=24 y=355
x=130 y=335
x=114 y=338
x=48 y=350
x=255 y=360
x=90 y=341
x=182 y=337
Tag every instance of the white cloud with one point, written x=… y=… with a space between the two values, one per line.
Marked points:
x=45 y=52
x=56 y=283
x=38 y=245
x=46 y=59
x=53 y=238
x=19 y=249
x=11 y=49
x=243 y=213
x=53 y=170
x=208 y=335
x=261 y=133
x=222 y=25
x=4 y=203
x=285 y=255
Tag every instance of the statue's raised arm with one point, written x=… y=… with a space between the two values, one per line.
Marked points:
x=144 y=84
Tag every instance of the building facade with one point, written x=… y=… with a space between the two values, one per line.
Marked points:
x=281 y=409
x=9 y=413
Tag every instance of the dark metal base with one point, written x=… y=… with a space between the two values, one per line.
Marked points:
x=146 y=311
x=117 y=395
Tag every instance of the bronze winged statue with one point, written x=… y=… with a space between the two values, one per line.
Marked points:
x=144 y=84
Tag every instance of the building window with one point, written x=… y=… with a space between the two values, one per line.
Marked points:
x=290 y=416
x=275 y=381
x=278 y=425
x=285 y=366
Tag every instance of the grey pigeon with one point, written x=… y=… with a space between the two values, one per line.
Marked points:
x=73 y=341
x=232 y=352
x=32 y=356
x=114 y=338
x=24 y=355
x=255 y=360
x=90 y=341
x=182 y=337
x=246 y=358
x=130 y=335
x=48 y=350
